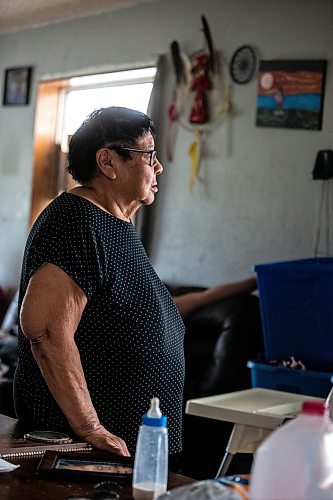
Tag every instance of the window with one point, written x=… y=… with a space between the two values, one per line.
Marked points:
x=84 y=94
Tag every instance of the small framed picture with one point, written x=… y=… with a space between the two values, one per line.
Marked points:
x=17 y=86
x=78 y=466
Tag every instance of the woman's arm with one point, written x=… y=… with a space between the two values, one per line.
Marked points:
x=50 y=314
x=189 y=302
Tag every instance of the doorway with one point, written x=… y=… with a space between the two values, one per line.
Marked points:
x=61 y=107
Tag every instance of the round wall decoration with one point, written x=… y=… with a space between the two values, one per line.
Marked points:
x=243 y=64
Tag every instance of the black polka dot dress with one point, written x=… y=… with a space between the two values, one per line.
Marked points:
x=130 y=337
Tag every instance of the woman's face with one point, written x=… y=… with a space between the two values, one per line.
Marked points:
x=138 y=178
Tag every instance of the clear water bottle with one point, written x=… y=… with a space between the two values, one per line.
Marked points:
x=295 y=462
x=150 y=474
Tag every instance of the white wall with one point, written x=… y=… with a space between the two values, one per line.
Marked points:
x=258 y=202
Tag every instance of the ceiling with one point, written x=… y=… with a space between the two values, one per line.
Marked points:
x=20 y=14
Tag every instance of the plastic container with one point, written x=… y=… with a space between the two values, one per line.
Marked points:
x=295 y=462
x=296 y=308
x=150 y=474
x=209 y=489
x=305 y=382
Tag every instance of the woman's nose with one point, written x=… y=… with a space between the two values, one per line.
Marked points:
x=158 y=167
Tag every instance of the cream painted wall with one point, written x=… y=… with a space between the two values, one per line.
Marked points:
x=257 y=203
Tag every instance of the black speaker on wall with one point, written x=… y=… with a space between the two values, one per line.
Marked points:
x=323 y=168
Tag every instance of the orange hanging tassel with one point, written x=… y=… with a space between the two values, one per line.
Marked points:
x=194 y=154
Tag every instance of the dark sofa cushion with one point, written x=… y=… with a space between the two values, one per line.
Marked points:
x=220 y=339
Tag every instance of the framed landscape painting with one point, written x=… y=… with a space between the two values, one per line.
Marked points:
x=291 y=94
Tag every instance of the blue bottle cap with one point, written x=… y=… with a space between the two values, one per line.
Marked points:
x=154 y=422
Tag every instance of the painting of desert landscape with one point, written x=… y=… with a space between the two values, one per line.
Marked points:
x=291 y=94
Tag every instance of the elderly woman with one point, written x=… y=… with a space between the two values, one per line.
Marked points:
x=99 y=334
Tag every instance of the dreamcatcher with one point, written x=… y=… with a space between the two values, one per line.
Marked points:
x=201 y=97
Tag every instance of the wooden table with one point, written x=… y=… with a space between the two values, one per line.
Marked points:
x=23 y=483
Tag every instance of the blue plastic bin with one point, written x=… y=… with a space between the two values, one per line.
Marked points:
x=296 y=301
x=305 y=382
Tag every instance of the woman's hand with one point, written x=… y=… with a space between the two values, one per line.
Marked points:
x=100 y=438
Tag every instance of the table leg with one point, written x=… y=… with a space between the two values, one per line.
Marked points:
x=224 y=466
x=243 y=439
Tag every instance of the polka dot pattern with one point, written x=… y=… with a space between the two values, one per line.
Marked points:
x=130 y=336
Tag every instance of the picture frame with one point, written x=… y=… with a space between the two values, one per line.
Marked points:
x=79 y=466
x=291 y=94
x=17 y=86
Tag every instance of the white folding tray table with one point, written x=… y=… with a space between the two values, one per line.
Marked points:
x=254 y=412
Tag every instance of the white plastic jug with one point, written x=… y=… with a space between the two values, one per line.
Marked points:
x=295 y=462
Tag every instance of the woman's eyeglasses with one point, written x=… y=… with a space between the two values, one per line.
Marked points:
x=152 y=153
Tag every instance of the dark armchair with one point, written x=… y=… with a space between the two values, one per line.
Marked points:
x=220 y=339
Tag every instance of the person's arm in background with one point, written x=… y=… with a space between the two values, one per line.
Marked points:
x=189 y=302
x=50 y=314
x=8 y=339
x=10 y=321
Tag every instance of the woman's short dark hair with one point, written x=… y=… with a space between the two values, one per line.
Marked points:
x=105 y=127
